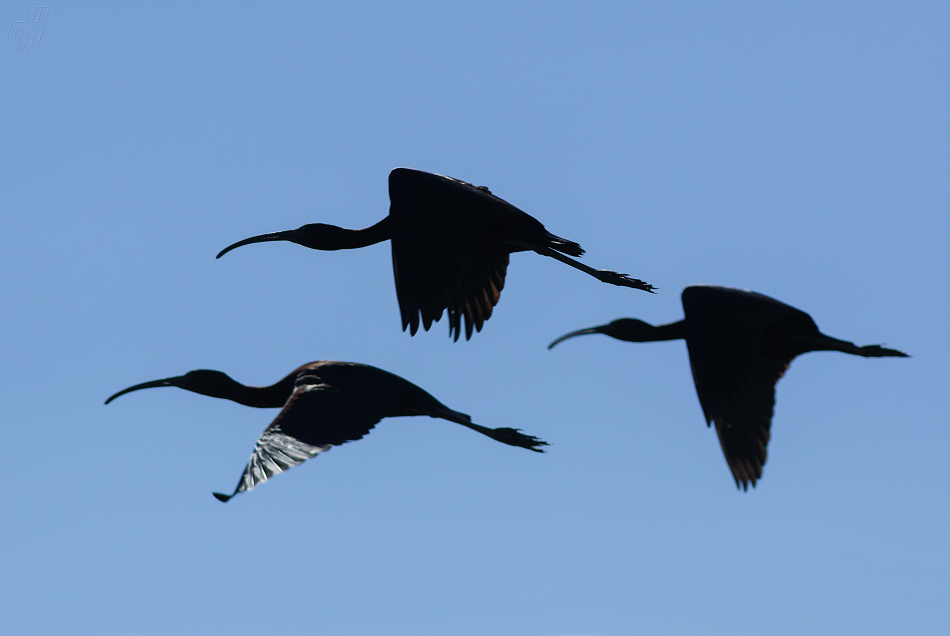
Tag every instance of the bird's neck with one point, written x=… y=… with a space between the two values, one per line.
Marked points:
x=670 y=331
x=261 y=397
x=344 y=239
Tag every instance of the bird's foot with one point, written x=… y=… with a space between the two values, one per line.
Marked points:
x=879 y=351
x=622 y=280
x=514 y=437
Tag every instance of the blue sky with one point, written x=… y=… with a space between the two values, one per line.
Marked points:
x=800 y=150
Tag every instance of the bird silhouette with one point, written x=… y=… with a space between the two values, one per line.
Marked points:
x=740 y=344
x=324 y=404
x=450 y=246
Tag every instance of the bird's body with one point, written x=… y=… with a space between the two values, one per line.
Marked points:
x=324 y=404
x=740 y=344
x=450 y=244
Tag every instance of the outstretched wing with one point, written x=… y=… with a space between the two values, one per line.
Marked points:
x=738 y=394
x=477 y=293
x=735 y=382
x=427 y=266
x=315 y=418
x=437 y=221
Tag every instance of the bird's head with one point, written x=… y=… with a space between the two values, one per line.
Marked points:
x=629 y=329
x=203 y=381
x=316 y=236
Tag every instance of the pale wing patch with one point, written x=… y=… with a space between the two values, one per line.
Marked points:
x=317 y=412
x=274 y=453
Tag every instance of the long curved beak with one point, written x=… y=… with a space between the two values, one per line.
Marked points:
x=579 y=332
x=147 y=385
x=273 y=236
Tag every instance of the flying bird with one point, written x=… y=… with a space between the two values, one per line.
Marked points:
x=740 y=343
x=324 y=404
x=450 y=245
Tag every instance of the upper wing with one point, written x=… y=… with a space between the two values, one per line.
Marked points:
x=737 y=392
x=428 y=265
x=734 y=380
x=436 y=223
x=316 y=417
x=478 y=292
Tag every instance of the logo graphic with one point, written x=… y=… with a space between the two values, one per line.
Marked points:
x=26 y=35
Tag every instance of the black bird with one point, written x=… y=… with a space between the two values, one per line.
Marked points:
x=324 y=404
x=450 y=244
x=740 y=343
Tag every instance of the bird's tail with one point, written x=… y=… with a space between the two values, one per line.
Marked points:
x=416 y=401
x=448 y=414
x=564 y=246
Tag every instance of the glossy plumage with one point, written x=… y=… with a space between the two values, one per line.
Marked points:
x=450 y=245
x=740 y=344
x=324 y=404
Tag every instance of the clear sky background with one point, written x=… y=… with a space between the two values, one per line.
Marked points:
x=797 y=149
